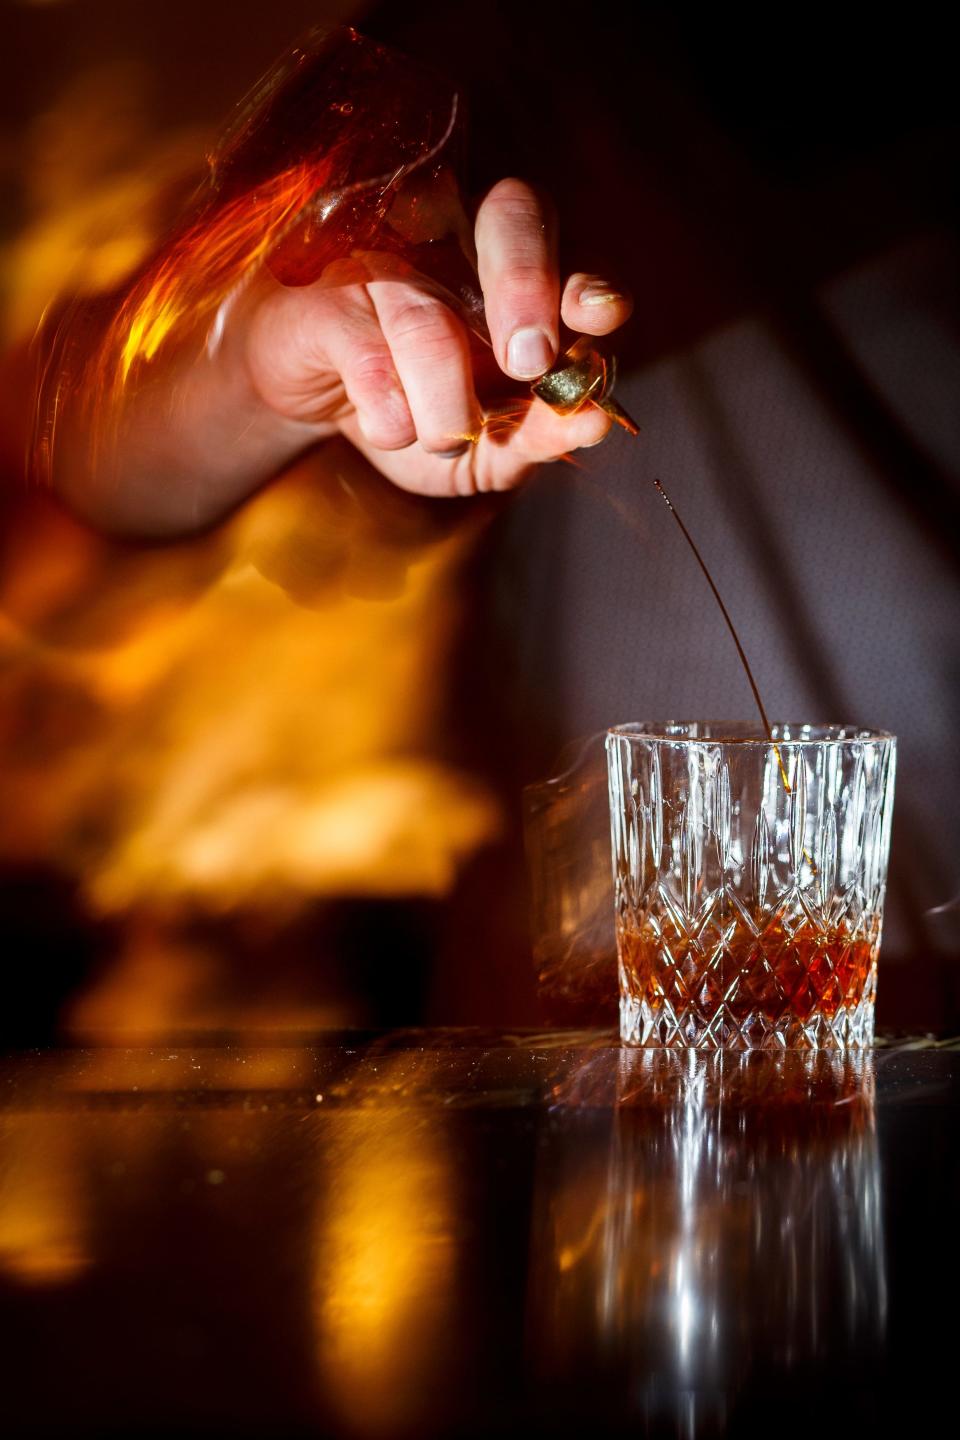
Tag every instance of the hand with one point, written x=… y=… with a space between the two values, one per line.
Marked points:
x=383 y=361
x=389 y=365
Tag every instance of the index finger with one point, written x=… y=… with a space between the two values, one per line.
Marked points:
x=516 y=259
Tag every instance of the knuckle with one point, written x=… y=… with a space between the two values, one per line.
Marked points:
x=426 y=326
x=386 y=431
x=523 y=278
x=374 y=370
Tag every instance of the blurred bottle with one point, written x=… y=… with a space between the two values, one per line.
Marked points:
x=567 y=836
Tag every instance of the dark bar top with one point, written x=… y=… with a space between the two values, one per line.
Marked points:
x=454 y=1233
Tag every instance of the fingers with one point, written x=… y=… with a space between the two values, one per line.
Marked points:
x=432 y=357
x=541 y=436
x=493 y=464
x=360 y=355
x=591 y=305
x=387 y=350
x=516 y=259
x=389 y=364
x=313 y=344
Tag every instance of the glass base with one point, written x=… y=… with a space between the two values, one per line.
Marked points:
x=849 y=1027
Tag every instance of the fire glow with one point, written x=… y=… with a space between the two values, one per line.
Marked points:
x=248 y=720
x=199 y=269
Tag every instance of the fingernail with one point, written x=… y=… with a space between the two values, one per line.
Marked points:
x=598 y=295
x=529 y=353
x=591 y=444
x=451 y=454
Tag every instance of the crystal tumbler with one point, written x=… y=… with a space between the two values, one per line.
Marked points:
x=749 y=880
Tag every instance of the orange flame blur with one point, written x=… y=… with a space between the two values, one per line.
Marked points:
x=198 y=270
x=384 y=1271
x=249 y=720
x=44 y=1203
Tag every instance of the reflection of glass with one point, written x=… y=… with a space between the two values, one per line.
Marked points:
x=722 y=1237
x=566 y=830
x=750 y=878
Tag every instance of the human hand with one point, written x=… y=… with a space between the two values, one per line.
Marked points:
x=389 y=365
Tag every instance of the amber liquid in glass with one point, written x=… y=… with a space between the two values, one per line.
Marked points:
x=776 y=971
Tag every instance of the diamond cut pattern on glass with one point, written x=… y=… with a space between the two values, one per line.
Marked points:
x=748 y=914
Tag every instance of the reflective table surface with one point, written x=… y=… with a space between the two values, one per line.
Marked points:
x=456 y=1234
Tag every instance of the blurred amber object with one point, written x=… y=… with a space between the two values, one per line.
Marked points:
x=223 y=748
x=567 y=837
x=342 y=151
x=380 y=137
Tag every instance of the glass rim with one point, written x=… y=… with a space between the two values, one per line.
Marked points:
x=671 y=732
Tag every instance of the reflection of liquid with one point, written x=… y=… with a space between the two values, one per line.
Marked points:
x=721 y=1239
